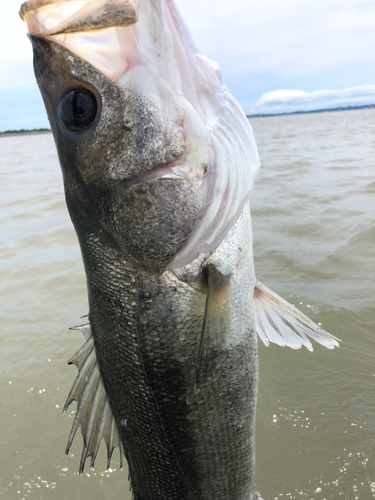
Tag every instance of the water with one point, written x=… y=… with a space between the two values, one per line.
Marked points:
x=314 y=214
x=314 y=234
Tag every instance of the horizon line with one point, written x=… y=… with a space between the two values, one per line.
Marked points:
x=258 y=115
x=322 y=110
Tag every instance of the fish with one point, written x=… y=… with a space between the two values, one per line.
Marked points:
x=159 y=163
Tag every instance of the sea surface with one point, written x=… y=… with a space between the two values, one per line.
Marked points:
x=314 y=235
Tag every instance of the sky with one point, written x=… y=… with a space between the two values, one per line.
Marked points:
x=275 y=56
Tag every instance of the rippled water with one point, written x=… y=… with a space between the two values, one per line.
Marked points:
x=314 y=232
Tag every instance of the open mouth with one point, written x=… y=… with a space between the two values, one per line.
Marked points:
x=98 y=31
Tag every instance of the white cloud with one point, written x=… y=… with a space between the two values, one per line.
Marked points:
x=286 y=101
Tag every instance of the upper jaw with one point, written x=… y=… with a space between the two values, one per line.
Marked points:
x=66 y=17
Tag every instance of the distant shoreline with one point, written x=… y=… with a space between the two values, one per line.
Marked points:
x=326 y=110
x=10 y=133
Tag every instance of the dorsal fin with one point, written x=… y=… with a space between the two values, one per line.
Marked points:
x=93 y=414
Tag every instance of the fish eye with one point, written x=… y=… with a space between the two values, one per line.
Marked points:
x=78 y=109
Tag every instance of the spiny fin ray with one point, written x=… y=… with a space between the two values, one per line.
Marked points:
x=93 y=414
x=281 y=323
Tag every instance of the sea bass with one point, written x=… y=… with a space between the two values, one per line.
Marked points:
x=158 y=163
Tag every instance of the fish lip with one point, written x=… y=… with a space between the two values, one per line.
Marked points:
x=171 y=171
x=174 y=170
x=162 y=172
x=39 y=40
x=121 y=17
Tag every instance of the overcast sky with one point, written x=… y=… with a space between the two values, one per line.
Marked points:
x=275 y=55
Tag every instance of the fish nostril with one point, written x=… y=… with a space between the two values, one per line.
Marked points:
x=127 y=125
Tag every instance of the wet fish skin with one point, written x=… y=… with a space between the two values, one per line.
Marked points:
x=147 y=322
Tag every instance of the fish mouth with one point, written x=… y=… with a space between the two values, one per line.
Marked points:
x=90 y=29
x=88 y=16
x=166 y=172
x=176 y=170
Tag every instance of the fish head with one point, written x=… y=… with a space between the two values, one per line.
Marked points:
x=151 y=144
x=106 y=134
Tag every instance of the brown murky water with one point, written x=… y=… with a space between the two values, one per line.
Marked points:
x=313 y=218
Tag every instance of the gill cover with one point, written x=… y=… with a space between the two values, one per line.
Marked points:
x=114 y=36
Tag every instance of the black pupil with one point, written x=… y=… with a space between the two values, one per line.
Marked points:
x=78 y=109
x=81 y=105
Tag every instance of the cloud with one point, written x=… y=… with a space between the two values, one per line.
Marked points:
x=286 y=101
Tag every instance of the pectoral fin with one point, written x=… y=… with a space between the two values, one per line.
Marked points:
x=281 y=323
x=93 y=414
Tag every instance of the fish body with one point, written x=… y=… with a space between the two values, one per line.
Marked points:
x=158 y=164
x=146 y=331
